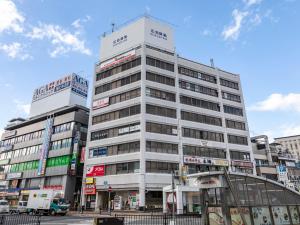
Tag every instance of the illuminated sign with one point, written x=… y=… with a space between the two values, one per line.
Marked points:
x=89 y=180
x=101 y=103
x=205 y=161
x=11 y=176
x=90 y=189
x=96 y=171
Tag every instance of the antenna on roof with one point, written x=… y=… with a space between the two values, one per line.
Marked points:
x=112 y=27
x=104 y=34
x=212 y=64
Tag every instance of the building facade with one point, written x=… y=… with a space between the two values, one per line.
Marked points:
x=292 y=143
x=154 y=112
x=43 y=151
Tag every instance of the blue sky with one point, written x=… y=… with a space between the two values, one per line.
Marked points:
x=43 y=40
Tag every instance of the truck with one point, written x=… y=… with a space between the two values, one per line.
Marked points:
x=46 y=202
x=20 y=208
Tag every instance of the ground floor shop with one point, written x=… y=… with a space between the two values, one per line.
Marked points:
x=234 y=199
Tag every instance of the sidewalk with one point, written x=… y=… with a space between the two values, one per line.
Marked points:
x=105 y=213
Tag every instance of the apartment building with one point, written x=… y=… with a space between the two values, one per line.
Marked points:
x=154 y=112
x=292 y=143
x=43 y=151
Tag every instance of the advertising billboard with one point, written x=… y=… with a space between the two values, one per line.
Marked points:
x=96 y=171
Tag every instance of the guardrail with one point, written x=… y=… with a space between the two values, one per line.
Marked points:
x=20 y=220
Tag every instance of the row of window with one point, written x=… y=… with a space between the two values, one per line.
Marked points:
x=204 y=151
x=160 y=94
x=23 y=138
x=199 y=103
x=115 y=149
x=160 y=167
x=160 y=78
x=161 y=128
x=114 y=132
x=160 y=111
x=122 y=168
x=159 y=50
x=240 y=140
x=118 y=83
x=228 y=83
x=231 y=97
x=236 y=155
x=200 y=118
x=159 y=64
x=130 y=111
x=198 y=88
x=64 y=143
x=235 y=124
x=118 y=69
x=201 y=134
x=125 y=96
x=160 y=147
x=233 y=110
x=63 y=127
x=197 y=75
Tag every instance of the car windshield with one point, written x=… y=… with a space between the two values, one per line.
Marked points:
x=3 y=203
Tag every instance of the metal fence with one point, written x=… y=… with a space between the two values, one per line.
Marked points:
x=20 y=220
x=161 y=219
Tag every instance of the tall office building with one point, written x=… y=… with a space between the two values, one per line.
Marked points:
x=42 y=151
x=154 y=112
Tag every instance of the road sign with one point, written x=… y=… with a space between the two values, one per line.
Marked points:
x=109 y=189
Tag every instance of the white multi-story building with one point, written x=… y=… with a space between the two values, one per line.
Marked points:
x=292 y=143
x=154 y=112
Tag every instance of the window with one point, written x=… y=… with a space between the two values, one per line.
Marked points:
x=159 y=50
x=63 y=127
x=198 y=88
x=231 y=97
x=197 y=75
x=114 y=132
x=160 y=147
x=159 y=64
x=160 y=79
x=204 y=151
x=200 y=134
x=230 y=84
x=235 y=124
x=237 y=155
x=118 y=69
x=240 y=140
x=125 y=96
x=160 y=111
x=160 y=94
x=122 y=168
x=130 y=111
x=161 y=128
x=200 y=118
x=118 y=83
x=160 y=167
x=199 y=103
x=233 y=110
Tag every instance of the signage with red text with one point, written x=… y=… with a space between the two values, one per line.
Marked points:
x=95 y=171
x=90 y=189
x=101 y=103
x=242 y=164
x=117 y=60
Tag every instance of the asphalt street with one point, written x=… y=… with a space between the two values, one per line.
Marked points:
x=66 y=220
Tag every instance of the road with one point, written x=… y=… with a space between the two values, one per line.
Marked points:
x=66 y=220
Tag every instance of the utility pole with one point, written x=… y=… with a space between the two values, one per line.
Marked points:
x=173 y=197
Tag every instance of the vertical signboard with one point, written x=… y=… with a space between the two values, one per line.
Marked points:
x=45 y=146
x=75 y=153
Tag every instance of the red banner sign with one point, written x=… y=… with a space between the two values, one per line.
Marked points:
x=242 y=164
x=90 y=189
x=82 y=156
x=54 y=187
x=95 y=171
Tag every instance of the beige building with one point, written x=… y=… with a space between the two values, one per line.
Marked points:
x=292 y=143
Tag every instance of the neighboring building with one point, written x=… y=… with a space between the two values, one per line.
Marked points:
x=42 y=152
x=154 y=112
x=292 y=143
x=275 y=162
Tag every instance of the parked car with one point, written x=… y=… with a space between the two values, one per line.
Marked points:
x=20 y=208
x=4 y=207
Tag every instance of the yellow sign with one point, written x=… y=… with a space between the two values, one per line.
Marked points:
x=89 y=180
x=221 y=162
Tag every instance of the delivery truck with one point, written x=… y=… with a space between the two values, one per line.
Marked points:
x=46 y=202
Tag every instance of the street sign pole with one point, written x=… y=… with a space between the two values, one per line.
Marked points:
x=109 y=206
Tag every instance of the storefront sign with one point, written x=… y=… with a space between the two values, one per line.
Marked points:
x=4 y=162
x=117 y=60
x=95 y=171
x=97 y=104
x=90 y=189
x=290 y=164
x=54 y=187
x=45 y=146
x=80 y=85
x=205 y=161
x=89 y=180
x=206 y=182
x=11 y=176
x=245 y=164
x=282 y=173
x=82 y=156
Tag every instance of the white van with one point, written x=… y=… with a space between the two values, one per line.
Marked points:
x=4 y=207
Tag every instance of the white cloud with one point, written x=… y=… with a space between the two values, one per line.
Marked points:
x=78 y=23
x=256 y=20
x=62 y=40
x=14 y=50
x=10 y=19
x=275 y=102
x=290 y=129
x=233 y=31
x=252 y=2
x=22 y=107
x=206 y=32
